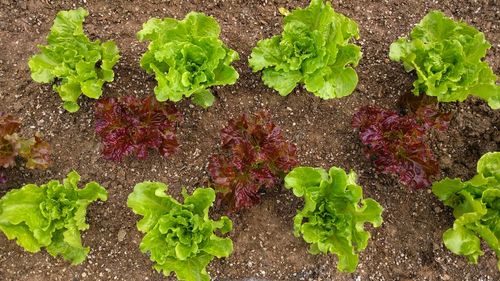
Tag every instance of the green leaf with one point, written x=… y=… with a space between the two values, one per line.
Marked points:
x=219 y=247
x=91 y=89
x=301 y=179
x=314 y=49
x=68 y=244
x=187 y=57
x=50 y=216
x=489 y=165
x=448 y=59
x=203 y=98
x=41 y=66
x=266 y=54
x=150 y=201
x=476 y=208
x=71 y=106
x=447 y=188
x=19 y=214
x=201 y=25
x=71 y=62
x=179 y=237
x=334 y=213
x=283 y=82
x=461 y=241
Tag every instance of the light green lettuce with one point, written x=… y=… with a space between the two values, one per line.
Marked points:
x=448 y=59
x=71 y=62
x=51 y=215
x=314 y=50
x=179 y=237
x=187 y=57
x=476 y=208
x=334 y=213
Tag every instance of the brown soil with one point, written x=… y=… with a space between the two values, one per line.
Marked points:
x=408 y=246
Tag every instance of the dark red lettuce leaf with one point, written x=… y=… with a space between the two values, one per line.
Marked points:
x=134 y=126
x=396 y=143
x=34 y=150
x=9 y=127
x=255 y=156
x=8 y=150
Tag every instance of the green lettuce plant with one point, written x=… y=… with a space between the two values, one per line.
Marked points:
x=179 y=237
x=187 y=57
x=476 y=208
x=313 y=50
x=71 y=62
x=334 y=213
x=447 y=57
x=51 y=215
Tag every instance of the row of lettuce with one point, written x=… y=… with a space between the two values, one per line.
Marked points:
x=255 y=157
x=315 y=49
x=182 y=238
x=187 y=58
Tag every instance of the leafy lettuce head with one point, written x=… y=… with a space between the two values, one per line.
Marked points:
x=50 y=216
x=476 y=208
x=447 y=57
x=314 y=50
x=334 y=213
x=73 y=63
x=187 y=57
x=179 y=237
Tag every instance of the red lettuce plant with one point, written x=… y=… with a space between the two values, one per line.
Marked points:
x=132 y=126
x=255 y=156
x=397 y=144
x=34 y=151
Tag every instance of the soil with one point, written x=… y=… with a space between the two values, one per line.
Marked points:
x=408 y=246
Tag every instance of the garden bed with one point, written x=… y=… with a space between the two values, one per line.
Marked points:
x=408 y=245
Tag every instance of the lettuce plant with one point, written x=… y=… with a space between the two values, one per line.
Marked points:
x=255 y=156
x=71 y=62
x=476 y=208
x=397 y=144
x=34 y=150
x=133 y=126
x=334 y=213
x=179 y=237
x=314 y=50
x=187 y=57
x=51 y=215
x=448 y=59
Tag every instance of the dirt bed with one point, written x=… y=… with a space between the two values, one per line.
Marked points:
x=408 y=246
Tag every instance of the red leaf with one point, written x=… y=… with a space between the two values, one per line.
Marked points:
x=34 y=150
x=397 y=144
x=133 y=126
x=9 y=127
x=255 y=156
x=8 y=150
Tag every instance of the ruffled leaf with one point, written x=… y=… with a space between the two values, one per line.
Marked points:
x=447 y=57
x=179 y=237
x=187 y=57
x=314 y=50
x=255 y=156
x=34 y=150
x=51 y=215
x=71 y=62
x=132 y=126
x=396 y=144
x=334 y=213
x=476 y=208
